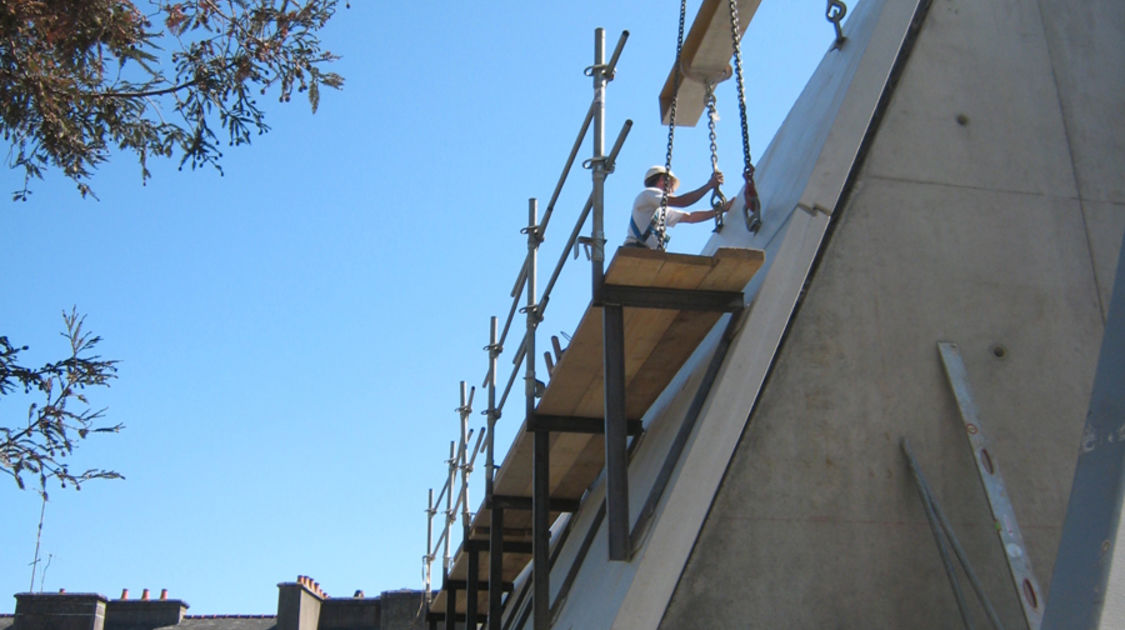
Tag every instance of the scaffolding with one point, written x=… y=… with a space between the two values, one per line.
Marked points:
x=649 y=311
x=525 y=288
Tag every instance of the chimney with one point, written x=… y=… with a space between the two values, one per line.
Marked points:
x=145 y=613
x=298 y=604
x=60 y=611
x=351 y=612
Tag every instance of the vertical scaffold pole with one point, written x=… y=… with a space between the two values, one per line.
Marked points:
x=613 y=326
x=428 y=559
x=450 y=516
x=541 y=541
x=466 y=522
x=463 y=464
x=496 y=522
x=492 y=414
x=597 y=162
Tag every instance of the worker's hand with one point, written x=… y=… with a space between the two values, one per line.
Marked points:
x=716 y=179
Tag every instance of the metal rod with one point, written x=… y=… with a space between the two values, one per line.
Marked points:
x=935 y=528
x=616 y=455
x=540 y=464
x=621 y=136
x=955 y=544
x=495 y=567
x=471 y=589
x=583 y=215
x=691 y=417
x=952 y=538
x=462 y=493
x=449 y=518
x=617 y=144
x=611 y=67
x=428 y=559
x=463 y=457
x=511 y=312
x=520 y=351
x=597 y=238
x=590 y=115
x=508 y=387
x=441 y=494
x=490 y=457
x=522 y=275
x=438 y=542
x=559 y=186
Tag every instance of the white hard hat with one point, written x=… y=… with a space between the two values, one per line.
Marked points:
x=660 y=170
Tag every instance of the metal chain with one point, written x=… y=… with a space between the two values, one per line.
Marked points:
x=753 y=203
x=718 y=200
x=661 y=222
x=835 y=14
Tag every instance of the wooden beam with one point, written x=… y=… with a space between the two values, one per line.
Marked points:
x=706 y=53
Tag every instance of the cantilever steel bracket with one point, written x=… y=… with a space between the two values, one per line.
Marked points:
x=572 y=424
x=680 y=299
x=526 y=503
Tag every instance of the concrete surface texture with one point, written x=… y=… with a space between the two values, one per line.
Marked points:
x=988 y=211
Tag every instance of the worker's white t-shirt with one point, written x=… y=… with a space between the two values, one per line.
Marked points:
x=645 y=207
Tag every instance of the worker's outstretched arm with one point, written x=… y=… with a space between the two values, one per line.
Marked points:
x=699 y=216
x=688 y=198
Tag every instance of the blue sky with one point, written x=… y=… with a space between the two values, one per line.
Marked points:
x=292 y=335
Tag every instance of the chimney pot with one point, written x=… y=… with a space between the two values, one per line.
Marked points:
x=124 y=593
x=163 y=593
x=144 y=594
x=62 y=591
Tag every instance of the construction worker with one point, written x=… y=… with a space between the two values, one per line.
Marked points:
x=646 y=207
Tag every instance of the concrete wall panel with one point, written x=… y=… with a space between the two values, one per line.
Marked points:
x=818 y=505
x=1088 y=58
x=988 y=63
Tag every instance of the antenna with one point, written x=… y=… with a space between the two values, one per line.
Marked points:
x=38 y=537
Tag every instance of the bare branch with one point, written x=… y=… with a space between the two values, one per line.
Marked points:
x=54 y=425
